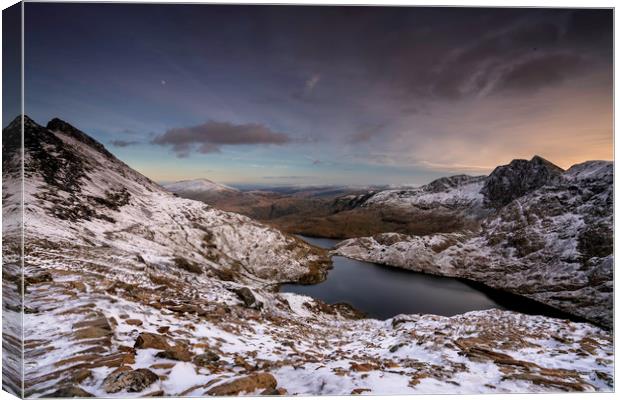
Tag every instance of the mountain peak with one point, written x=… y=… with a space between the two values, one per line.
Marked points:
x=17 y=121
x=542 y=161
x=519 y=177
x=58 y=125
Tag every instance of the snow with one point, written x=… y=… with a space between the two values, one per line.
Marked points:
x=464 y=194
x=198 y=185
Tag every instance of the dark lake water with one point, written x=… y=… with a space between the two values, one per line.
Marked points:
x=382 y=292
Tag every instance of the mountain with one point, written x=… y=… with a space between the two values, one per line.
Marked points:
x=132 y=291
x=198 y=185
x=549 y=237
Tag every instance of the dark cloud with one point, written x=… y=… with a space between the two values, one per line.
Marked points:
x=212 y=135
x=123 y=143
x=540 y=72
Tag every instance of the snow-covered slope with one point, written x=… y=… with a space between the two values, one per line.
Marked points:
x=553 y=244
x=131 y=291
x=198 y=185
x=77 y=192
x=459 y=191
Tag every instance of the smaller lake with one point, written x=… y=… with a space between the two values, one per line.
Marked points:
x=382 y=292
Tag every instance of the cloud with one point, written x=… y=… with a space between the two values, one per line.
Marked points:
x=212 y=135
x=312 y=82
x=540 y=72
x=313 y=160
x=366 y=134
x=123 y=143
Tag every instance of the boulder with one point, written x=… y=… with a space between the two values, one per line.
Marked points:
x=207 y=358
x=247 y=384
x=128 y=379
x=147 y=340
x=248 y=298
x=177 y=352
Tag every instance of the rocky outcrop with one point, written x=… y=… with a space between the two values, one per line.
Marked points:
x=508 y=182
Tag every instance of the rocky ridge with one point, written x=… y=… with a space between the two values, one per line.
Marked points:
x=549 y=237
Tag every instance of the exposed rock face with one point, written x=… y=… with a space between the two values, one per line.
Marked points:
x=129 y=380
x=508 y=182
x=553 y=244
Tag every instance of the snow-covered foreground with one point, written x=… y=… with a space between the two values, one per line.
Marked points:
x=87 y=324
x=131 y=291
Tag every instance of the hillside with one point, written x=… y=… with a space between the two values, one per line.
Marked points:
x=549 y=237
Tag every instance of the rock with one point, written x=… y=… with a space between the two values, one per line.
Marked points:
x=41 y=278
x=147 y=340
x=508 y=182
x=91 y=333
x=134 y=322
x=246 y=295
x=70 y=391
x=130 y=380
x=207 y=358
x=359 y=390
x=247 y=384
x=77 y=285
x=162 y=366
x=157 y=393
x=163 y=329
x=275 y=392
x=178 y=352
x=394 y=348
x=185 y=265
x=82 y=375
x=363 y=367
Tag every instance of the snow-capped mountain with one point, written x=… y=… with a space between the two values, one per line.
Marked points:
x=197 y=186
x=454 y=192
x=550 y=238
x=131 y=291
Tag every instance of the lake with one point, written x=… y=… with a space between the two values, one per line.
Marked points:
x=382 y=292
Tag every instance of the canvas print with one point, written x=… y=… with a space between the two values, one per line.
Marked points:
x=227 y=200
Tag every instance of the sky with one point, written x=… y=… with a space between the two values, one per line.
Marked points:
x=309 y=95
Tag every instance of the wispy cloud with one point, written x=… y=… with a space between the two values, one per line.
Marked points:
x=123 y=143
x=312 y=82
